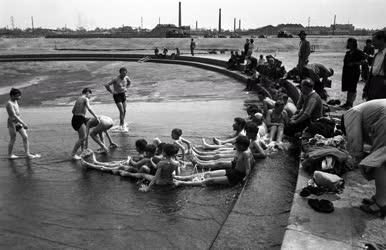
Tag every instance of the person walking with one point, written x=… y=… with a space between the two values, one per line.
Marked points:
x=375 y=87
x=304 y=49
x=351 y=71
x=251 y=47
x=192 y=46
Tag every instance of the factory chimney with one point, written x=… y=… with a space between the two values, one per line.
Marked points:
x=240 y=24
x=219 y=20
x=179 y=14
x=234 y=24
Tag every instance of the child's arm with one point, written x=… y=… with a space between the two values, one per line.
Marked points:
x=258 y=151
x=112 y=144
x=156 y=177
x=188 y=143
x=11 y=114
x=90 y=110
x=247 y=164
x=107 y=86
x=139 y=163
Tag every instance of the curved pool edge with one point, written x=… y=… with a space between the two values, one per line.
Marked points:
x=198 y=62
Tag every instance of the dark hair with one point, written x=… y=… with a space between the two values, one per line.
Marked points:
x=379 y=35
x=242 y=140
x=284 y=97
x=279 y=103
x=170 y=150
x=353 y=41
x=161 y=146
x=251 y=40
x=253 y=109
x=86 y=90
x=308 y=82
x=14 y=92
x=122 y=69
x=368 y=41
x=150 y=148
x=240 y=121
x=262 y=93
x=177 y=132
x=141 y=144
x=252 y=127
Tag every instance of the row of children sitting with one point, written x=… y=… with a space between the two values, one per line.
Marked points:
x=231 y=159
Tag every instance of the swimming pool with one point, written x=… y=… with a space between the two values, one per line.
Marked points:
x=53 y=202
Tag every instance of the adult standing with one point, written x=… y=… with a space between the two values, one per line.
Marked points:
x=366 y=123
x=251 y=47
x=369 y=51
x=351 y=71
x=246 y=47
x=375 y=87
x=304 y=49
x=120 y=85
x=192 y=46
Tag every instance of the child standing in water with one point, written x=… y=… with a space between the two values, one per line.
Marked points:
x=79 y=120
x=16 y=125
x=120 y=85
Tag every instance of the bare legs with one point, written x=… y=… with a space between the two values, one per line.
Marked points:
x=380 y=185
x=81 y=141
x=24 y=136
x=122 y=112
x=217 y=177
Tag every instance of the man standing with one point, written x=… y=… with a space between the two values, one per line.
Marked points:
x=369 y=51
x=246 y=47
x=192 y=46
x=120 y=85
x=304 y=49
x=375 y=87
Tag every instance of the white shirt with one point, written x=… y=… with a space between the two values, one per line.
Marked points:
x=378 y=63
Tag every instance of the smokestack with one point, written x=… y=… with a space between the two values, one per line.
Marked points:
x=196 y=25
x=239 y=24
x=234 y=24
x=32 y=23
x=219 y=20
x=179 y=14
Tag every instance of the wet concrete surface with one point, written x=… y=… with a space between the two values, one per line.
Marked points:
x=260 y=216
x=55 y=203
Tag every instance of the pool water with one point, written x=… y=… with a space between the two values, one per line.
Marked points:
x=53 y=202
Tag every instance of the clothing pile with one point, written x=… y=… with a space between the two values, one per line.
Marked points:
x=326 y=159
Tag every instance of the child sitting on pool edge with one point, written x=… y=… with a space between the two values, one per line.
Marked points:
x=179 y=140
x=241 y=168
x=276 y=120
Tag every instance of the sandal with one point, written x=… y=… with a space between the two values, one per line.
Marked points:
x=322 y=206
x=381 y=211
x=367 y=201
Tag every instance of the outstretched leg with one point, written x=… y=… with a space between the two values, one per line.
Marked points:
x=12 y=135
x=122 y=112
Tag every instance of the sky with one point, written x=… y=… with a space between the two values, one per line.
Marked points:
x=253 y=13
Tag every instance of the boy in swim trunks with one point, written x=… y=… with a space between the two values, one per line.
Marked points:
x=16 y=125
x=79 y=120
x=240 y=170
x=95 y=129
x=120 y=85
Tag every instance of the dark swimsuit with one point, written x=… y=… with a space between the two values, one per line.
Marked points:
x=77 y=121
x=234 y=176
